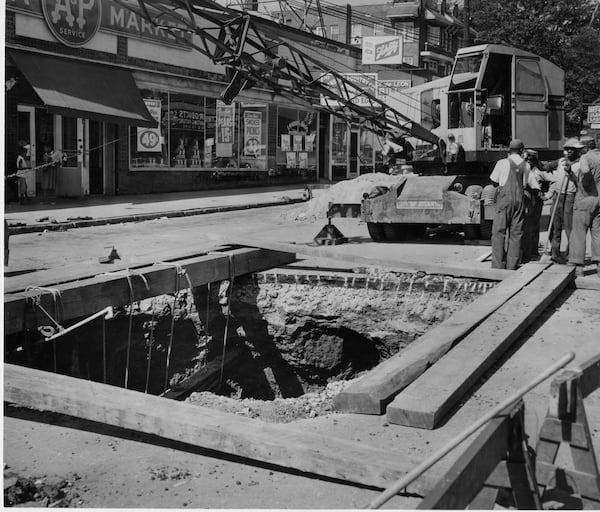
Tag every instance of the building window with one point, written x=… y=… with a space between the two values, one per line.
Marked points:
x=334 y=32
x=434 y=35
x=296 y=139
x=356 y=34
x=378 y=29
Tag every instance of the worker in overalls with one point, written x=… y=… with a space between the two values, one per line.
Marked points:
x=513 y=177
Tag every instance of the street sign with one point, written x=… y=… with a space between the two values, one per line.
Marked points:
x=593 y=115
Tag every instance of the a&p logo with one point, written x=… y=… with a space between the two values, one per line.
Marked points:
x=73 y=22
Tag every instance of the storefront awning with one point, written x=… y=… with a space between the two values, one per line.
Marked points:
x=83 y=89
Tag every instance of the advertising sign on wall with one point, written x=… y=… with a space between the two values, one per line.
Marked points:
x=366 y=82
x=252 y=132
x=392 y=88
x=224 y=131
x=382 y=50
x=75 y=22
x=148 y=139
x=186 y=116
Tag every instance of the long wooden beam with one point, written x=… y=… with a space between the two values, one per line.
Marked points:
x=429 y=398
x=374 y=391
x=402 y=266
x=85 y=297
x=278 y=444
x=84 y=270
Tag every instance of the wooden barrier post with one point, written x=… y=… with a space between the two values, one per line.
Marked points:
x=495 y=468
x=566 y=427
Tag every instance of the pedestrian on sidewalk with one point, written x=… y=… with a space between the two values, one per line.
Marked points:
x=586 y=210
x=22 y=167
x=563 y=191
x=513 y=177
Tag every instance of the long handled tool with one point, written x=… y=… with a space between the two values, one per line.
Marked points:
x=395 y=488
x=546 y=257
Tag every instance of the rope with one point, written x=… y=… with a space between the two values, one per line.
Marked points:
x=180 y=271
x=128 y=275
x=226 y=333
x=150 y=345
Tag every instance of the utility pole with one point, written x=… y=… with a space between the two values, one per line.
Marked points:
x=467 y=28
x=348 y=24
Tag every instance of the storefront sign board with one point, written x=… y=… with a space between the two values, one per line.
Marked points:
x=149 y=139
x=382 y=50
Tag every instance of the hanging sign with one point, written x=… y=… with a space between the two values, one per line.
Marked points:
x=148 y=139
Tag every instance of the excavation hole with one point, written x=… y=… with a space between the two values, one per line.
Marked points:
x=295 y=338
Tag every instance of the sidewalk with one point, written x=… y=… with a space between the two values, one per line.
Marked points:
x=62 y=213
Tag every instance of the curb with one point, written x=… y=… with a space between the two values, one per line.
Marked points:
x=63 y=226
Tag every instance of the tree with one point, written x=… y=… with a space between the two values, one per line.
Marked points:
x=566 y=32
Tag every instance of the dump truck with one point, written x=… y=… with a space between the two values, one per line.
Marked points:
x=495 y=93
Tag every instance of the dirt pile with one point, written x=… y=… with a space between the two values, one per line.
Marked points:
x=280 y=410
x=348 y=191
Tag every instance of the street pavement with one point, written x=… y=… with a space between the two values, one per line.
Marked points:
x=59 y=213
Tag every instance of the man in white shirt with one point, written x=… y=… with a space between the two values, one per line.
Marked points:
x=513 y=177
x=563 y=190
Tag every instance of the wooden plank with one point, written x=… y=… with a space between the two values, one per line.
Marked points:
x=463 y=481
x=333 y=252
x=428 y=399
x=282 y=445
x=583 y=483
x=83 y=298
x=77 y=271
x=587 y=283
x=556 y=430
x=374 y=391
x=590 y=378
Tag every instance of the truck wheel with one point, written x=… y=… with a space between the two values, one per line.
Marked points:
x=486 y=229
x=392 y=232
x=376 y=231
x=472 y=232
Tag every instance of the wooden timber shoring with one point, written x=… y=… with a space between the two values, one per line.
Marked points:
x=87 y=296
x=279 y=444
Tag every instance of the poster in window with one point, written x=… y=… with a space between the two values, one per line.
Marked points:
x=291 y=160
x=286 y=144
x=298 y=142
x=225 y=115
x=252 y=132
x=309 y=142
x=303 y=160
x=148 y=139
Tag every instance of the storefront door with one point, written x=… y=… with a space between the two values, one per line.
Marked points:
x=95 y=152
x=26 y=132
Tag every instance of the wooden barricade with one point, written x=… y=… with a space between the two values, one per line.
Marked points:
x=565 y=429
x=496 y=468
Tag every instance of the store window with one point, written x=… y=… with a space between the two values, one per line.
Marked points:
x=186 y=131
x=296 y=140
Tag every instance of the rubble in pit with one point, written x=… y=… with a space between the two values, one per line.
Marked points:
x=301 y=332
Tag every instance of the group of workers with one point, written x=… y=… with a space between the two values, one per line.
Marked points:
x=523 y=184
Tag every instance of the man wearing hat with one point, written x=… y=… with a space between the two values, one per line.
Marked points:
x=513 y=177
x=563 y=189
x=586 y=210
